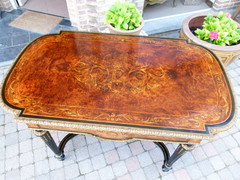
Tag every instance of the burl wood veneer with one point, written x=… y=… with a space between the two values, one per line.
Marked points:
x=120 y=86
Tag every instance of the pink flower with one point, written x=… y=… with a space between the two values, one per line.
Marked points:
x=228 y=15
x=213 y=35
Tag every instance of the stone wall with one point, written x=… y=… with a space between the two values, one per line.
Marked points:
x=6 y=5
x=88 y=15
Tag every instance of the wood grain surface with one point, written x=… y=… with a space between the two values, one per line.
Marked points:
x=128 y=81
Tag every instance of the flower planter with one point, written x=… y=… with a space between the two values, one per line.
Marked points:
x=129 y=32
x=225 y=53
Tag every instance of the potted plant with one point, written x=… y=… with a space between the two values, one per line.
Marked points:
x=218 y=33
x=124 y=18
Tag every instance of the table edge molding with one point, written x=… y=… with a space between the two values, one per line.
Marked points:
x=117 y=129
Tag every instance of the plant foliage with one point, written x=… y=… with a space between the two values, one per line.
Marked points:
x=123 y=16
x=219 y=30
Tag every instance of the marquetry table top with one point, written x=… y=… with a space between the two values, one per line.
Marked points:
x=114 y=85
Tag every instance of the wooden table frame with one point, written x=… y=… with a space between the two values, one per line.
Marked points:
x=20 y=88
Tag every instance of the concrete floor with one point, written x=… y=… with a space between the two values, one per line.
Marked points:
x=48 y=7
x=167 y=9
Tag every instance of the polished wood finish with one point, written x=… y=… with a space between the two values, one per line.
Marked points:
x=122 y=82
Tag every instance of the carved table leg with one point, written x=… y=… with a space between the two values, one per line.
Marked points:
x=179 y=152
x=47 y=138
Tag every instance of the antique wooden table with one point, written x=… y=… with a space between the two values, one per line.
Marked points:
x=120 y=88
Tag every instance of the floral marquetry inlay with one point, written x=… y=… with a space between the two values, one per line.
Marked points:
x=124 y=81
x=118 y=76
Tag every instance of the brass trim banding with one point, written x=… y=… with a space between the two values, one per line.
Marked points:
x=39 y=133
x=118 y=129
x=188 y=148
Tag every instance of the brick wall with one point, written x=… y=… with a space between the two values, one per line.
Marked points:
x=6 y=5
x=88 y=15
x=223 y=4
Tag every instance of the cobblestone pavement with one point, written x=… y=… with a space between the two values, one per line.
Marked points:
x=25 y=156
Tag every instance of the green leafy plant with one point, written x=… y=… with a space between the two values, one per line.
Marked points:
x=123 y=16
x=219 y=30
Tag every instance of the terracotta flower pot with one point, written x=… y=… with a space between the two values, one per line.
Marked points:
x=225 y=53
x=127 y=32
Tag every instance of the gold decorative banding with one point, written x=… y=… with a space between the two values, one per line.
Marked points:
x=139 y=131
x=39 y=133
x=188 y=148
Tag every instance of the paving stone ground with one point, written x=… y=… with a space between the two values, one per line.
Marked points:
x=24 y=156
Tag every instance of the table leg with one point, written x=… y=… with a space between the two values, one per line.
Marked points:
x=179 y=152
x=174 y=3
x=47 y=138
x=59 y=151
x=65 y=140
